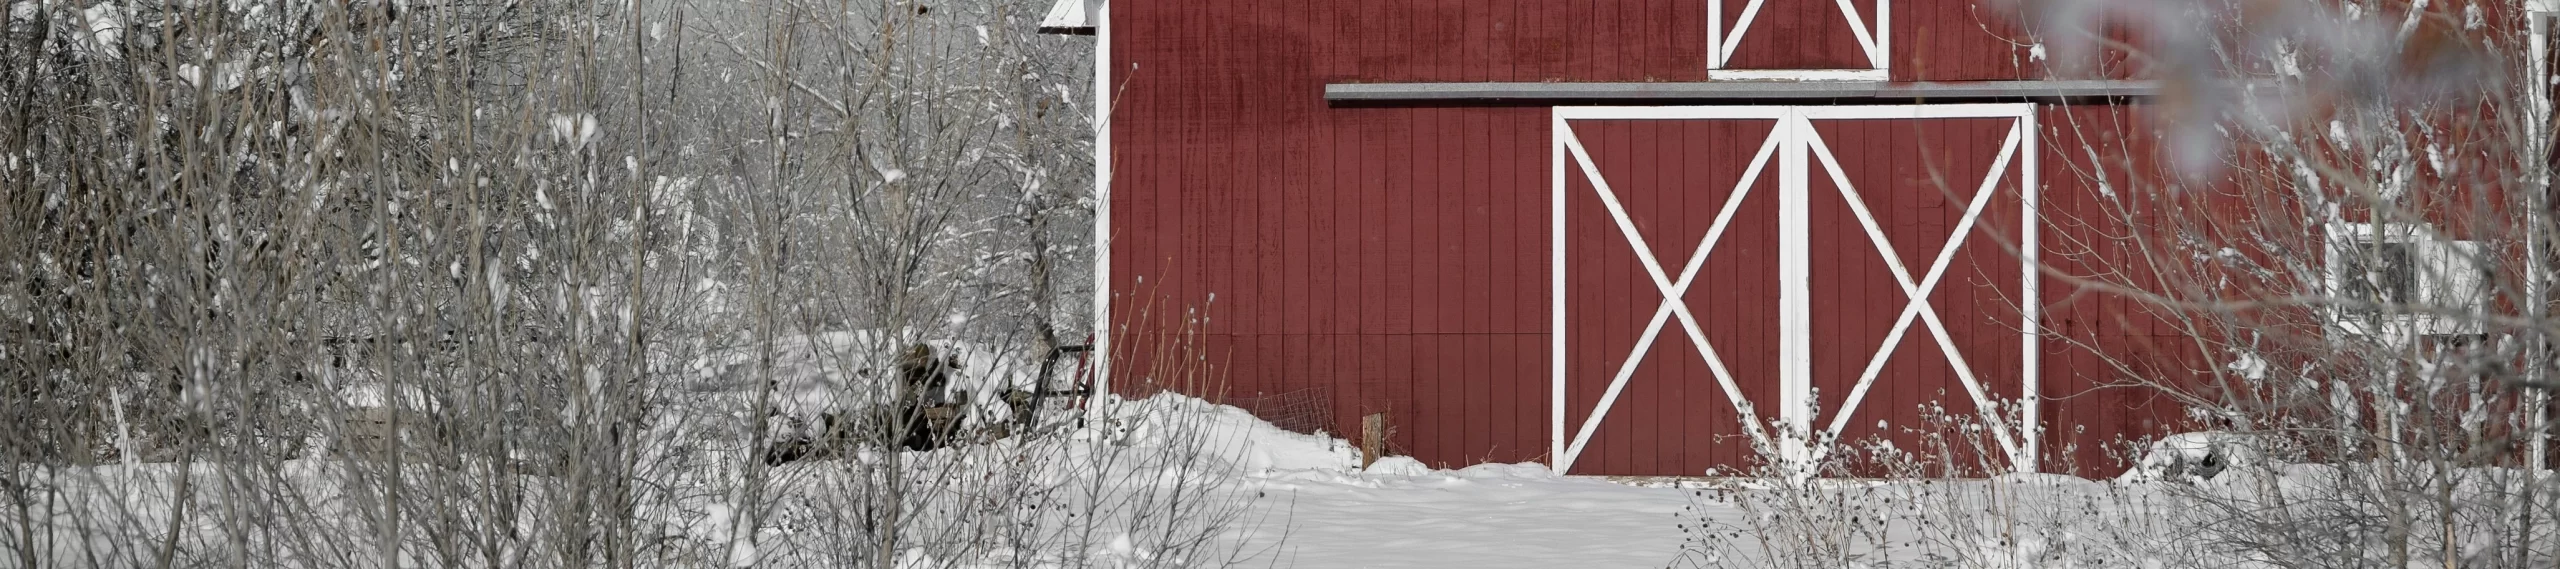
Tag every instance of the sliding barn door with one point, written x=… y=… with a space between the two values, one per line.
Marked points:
x=1740 y=285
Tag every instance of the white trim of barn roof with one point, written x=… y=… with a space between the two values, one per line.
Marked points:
x=1071 y=17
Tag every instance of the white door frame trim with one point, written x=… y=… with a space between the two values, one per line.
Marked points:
x=1674 y=294
x=1796 y=146
x=1918 y=294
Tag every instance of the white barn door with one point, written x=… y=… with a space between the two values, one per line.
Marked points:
x=1861 y=256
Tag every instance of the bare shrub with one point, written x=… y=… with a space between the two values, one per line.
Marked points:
x=527 y=284
x=2341 y=210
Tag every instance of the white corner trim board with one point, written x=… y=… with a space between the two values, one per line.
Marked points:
x=1797 y=148
x=1101 y=354
x=2539 y=22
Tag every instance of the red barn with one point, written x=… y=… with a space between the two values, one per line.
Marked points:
x=1623 y=237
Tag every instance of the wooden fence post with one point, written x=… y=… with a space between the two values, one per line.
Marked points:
x=1373 y=439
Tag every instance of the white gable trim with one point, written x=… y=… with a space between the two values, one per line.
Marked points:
x=1071 y=17
x=1873 y=33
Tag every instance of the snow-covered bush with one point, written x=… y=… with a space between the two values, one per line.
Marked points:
x=2190 y=457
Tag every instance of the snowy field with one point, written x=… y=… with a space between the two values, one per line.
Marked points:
x=1296 y=501
x=1485 y=516
x=1309 y=506
x=2179 y=506
x=1171 y=481
x=1322 y=510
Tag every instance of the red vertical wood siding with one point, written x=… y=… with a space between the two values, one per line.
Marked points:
x=1395 y=259
x=2085 y=409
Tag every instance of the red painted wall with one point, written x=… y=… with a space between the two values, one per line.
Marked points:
x=1397 y=257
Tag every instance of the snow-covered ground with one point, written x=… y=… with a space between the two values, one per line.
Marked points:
x=1168 y=480
x=1301 y=500
x=1294 y=500
x=1322 y=510
x=1486 y=516
x=2166 y=511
